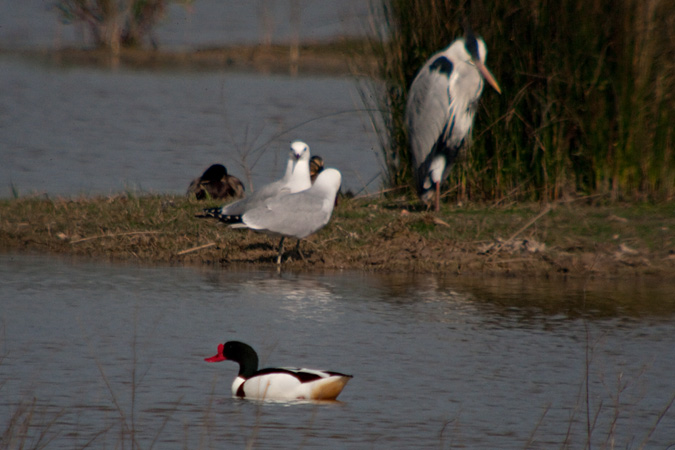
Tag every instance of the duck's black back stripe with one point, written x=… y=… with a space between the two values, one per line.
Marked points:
x=338 y=374
x=304 y=377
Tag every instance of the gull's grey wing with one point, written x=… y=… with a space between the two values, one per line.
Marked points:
x=256 y=199
x=297 y=215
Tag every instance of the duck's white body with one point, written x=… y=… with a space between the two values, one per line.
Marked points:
x=281 y=384
x=291 y=384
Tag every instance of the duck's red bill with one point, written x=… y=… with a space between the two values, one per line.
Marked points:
x=218 y=357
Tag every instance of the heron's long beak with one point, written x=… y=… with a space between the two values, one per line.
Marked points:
x=487 y=75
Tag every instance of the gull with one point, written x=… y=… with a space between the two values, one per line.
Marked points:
x=295 y=215
x=295 y=179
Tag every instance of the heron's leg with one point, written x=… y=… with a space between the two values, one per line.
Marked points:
x=437 y=197
x=281 y=250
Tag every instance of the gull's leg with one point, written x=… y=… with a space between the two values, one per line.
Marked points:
x=297 y=249
x=437 y=197
x=281 y=250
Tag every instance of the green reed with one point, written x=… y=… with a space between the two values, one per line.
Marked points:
x=588 y=103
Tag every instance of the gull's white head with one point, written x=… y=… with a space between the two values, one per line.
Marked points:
x=299 y=151
x=297 y=177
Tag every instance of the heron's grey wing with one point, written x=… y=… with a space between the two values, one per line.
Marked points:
x=428 y=107
x=297 y=215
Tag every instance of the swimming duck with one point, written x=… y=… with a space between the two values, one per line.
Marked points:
x=216 y=183
x=277 y=383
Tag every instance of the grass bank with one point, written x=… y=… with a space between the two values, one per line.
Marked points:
x=572 y=239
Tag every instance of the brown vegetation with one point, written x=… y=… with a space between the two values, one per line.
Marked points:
x=329 y=58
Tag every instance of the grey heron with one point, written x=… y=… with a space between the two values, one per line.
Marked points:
x=442 y=101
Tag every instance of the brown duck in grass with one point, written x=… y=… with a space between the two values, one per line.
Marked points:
x=217 y=184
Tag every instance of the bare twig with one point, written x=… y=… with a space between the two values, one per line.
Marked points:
x=530 y=223
x=658 y=421
x=195 y=249
x=530 y=440
x=496 y=248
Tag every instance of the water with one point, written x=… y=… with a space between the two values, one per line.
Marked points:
x=92 y=354
x=437 y=362
x=84 y=131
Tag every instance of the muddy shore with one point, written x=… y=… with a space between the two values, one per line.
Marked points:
x=373 y=235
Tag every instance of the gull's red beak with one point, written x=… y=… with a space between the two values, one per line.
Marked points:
x=219 y=356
